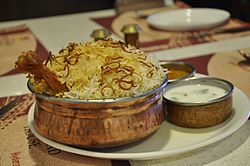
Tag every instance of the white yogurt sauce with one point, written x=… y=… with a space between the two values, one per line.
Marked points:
x=195 y=93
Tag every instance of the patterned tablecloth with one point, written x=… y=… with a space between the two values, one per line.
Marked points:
x=18 y=146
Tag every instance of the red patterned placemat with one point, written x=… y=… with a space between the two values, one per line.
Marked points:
x=153 y=40
x=13 y=41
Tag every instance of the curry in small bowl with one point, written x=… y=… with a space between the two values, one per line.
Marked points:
x=177 y=70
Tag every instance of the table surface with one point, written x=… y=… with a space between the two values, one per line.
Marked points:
x=57 y=31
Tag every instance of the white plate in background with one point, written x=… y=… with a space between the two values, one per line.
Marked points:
x=188 y=19
x=168 y=140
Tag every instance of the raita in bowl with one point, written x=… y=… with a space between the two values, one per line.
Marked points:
x=199 y=102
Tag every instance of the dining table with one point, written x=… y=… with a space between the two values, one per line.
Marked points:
x=212 y=55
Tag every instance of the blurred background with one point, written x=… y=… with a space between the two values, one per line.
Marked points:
x=25 y=9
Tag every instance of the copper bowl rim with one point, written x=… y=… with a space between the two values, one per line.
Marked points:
x=226 y=85
x=156 y=90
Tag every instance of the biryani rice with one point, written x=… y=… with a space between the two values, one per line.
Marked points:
x=103 y=69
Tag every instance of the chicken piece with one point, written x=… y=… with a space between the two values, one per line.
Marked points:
x=28 y=62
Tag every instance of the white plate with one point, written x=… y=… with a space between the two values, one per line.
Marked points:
x=188 y=19
x=168 y=140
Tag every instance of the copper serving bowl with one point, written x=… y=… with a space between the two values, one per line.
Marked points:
x=99 y=123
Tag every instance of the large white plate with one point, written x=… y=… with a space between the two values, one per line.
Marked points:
x=168 y=140
x=188 y=19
